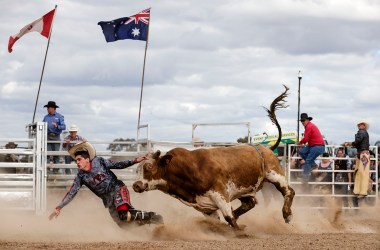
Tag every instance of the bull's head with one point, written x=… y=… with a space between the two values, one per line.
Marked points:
x=150 y=172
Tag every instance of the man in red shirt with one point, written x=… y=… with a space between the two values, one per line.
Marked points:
x=315 y=145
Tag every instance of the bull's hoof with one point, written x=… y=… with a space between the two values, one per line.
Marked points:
x=240 y=233
x=289 y=218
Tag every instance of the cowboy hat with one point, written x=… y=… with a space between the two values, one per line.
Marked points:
x=83 y=146
x=364 y=122
x=304 y=116
x=73 y=128
x=51 y=104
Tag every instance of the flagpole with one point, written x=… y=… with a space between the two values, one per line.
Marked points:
x=43 y=66
x=142 y=86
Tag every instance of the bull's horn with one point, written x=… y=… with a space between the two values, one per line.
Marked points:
x=156 y=155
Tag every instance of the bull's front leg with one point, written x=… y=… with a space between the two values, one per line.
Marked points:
x=232 y=222
x=225 y=207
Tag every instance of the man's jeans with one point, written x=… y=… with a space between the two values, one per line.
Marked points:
x=53 y=147
x=309 y=154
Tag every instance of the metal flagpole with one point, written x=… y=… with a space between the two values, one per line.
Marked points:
x=299 y=101
x=43 y=66
x=142 y=86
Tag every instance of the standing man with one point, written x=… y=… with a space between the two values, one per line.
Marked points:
x=56 y=124
x=362 y=164
x=315 y=145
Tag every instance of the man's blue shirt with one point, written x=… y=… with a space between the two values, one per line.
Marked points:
x=57 y=118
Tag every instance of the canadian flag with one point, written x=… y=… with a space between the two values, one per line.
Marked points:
x=41 y=25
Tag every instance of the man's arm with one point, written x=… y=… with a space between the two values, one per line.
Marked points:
x=123 y=164
x=68 y=198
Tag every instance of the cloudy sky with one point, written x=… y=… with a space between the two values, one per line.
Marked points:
x=214 y=61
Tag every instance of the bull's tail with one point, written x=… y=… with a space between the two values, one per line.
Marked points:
x=277 y=103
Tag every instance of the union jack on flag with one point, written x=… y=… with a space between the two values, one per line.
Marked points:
x=135 y=27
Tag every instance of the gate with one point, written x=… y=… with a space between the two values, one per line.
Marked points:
x=22 y=171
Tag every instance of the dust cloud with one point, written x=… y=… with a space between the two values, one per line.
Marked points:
x=86 y=220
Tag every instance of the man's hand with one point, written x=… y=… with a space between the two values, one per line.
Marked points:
x=55 y=213
x=139 y=159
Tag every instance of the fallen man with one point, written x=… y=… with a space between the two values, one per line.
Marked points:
x=95 y=173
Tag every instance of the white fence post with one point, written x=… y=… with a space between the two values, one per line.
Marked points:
x=38 y=131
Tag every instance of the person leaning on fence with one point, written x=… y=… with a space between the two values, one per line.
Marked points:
x=325 y=175
x=70 y=141
x=9 y=158
x=315 y=145
x=95 y=173
x=362 y=163
x=343 y=177
x=296 y=164
x=55 y=126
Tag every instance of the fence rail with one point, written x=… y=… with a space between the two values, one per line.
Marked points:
x=23 y=183
x=335 y=190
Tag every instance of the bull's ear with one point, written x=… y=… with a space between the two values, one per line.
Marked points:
x=165 y=160
x=156 y=155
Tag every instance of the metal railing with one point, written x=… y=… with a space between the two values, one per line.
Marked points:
x=313 y=191
x=33 y=175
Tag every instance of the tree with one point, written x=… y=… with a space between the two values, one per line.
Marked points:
x=243 y=140
x=122 y=146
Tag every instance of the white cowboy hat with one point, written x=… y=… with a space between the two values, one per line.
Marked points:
x=364 y=122
x=73 y=128
x=83 y=146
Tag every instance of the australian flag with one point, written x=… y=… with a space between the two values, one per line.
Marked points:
x=133 y=27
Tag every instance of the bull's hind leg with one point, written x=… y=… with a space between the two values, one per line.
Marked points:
x=287 y=192
x=247 y=203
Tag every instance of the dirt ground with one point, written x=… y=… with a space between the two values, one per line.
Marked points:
x=85 y=224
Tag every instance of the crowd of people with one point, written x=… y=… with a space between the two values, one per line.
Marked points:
x=339 y=171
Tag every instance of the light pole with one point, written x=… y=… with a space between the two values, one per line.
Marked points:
x=299 y=101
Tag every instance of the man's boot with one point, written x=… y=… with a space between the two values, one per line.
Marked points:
x=142 y=217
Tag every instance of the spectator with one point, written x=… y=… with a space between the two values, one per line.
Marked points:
x=326 y=165
x=324 y=174
x=70 y=141
x=296 y=164
x=362 y=166
x=315 y=145
x=343 y=189
x=9 y=158
x=56 y=124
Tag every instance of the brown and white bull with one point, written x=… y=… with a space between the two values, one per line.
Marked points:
x=210 y=179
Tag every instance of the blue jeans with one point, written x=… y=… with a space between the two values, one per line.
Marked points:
x=53 y=147
x=309 y=154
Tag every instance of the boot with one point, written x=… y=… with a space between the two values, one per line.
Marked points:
x=142 y=217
